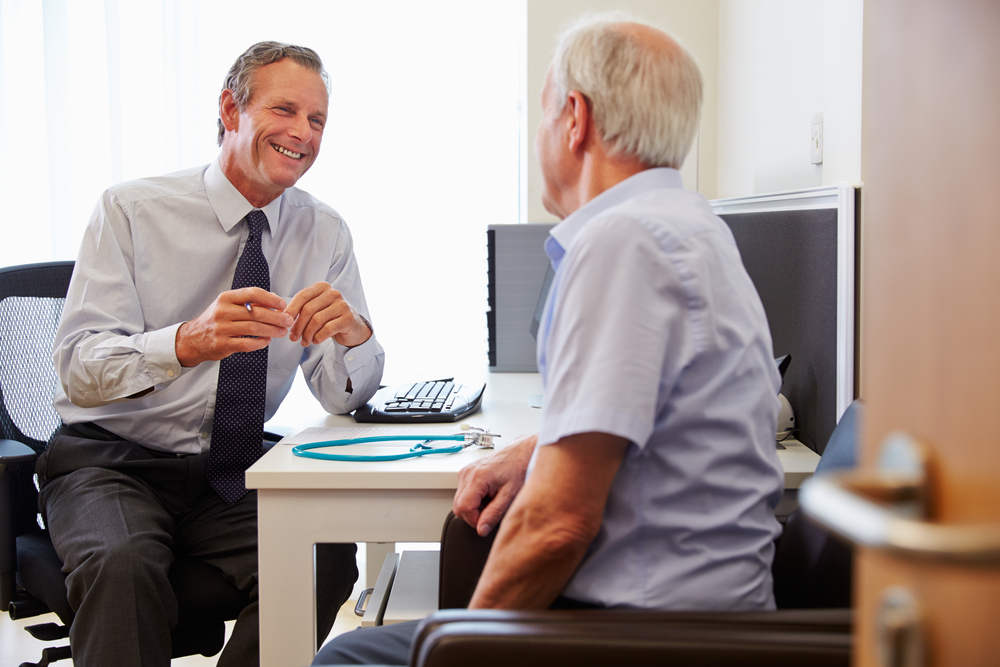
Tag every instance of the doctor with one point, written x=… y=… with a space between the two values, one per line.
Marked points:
x=176 y=344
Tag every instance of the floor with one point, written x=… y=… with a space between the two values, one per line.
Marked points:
x=17 y=646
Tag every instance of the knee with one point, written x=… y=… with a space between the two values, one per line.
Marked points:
x=122 y=563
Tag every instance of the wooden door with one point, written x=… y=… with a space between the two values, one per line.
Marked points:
x=931 y=297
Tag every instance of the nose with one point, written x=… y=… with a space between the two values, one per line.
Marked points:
x=300 y=129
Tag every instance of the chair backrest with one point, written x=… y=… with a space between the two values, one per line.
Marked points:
x=31 y=303
x=812 y=568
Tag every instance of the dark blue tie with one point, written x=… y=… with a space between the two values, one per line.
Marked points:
x=239 y=402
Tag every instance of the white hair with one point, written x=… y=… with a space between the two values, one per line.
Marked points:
x=645 y=101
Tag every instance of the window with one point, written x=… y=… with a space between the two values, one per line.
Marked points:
x=421 y=152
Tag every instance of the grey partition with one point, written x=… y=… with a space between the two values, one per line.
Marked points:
x=799 y=249
x=517 y=266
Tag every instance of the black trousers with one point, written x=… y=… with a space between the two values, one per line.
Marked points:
x=119 y=513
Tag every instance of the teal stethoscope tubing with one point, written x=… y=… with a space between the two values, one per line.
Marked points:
x=417 y=450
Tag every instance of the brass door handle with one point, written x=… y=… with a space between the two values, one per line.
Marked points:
x=888 y=511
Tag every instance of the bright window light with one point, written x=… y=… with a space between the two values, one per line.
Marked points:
x=420 y=154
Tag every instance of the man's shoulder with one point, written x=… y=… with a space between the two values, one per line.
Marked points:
x=667 y=216
x=178 y=183
x=300 y=201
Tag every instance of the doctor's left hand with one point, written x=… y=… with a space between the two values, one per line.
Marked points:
x=321 y=313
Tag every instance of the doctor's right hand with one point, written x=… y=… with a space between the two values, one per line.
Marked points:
x=239 y=320
x=487 y=487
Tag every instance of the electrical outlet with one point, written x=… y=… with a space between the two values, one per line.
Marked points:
x=816 y=141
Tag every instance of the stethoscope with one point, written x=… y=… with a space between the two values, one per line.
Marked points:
x=473 y=437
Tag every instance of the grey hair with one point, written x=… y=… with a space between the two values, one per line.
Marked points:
x=645 y=101
x=240 y=77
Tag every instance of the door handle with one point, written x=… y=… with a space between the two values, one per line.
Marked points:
x=889 y=510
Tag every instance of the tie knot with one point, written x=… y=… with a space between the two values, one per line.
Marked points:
x=256 y=219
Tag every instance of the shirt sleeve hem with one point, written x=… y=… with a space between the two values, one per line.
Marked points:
x=617 y=423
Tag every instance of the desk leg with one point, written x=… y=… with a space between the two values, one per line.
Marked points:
x=287 y=592
x=374 y=558
x=290 y=522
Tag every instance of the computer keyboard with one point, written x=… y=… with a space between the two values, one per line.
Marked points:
x=432 y=401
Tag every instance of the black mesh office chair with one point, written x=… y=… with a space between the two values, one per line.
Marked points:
x=31 y=577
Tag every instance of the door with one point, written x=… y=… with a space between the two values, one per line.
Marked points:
x=930 y=318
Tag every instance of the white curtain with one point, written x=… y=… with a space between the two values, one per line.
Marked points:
x=421 y=153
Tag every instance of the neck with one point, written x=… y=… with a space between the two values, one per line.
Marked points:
x=598 y=173
x=244 y=185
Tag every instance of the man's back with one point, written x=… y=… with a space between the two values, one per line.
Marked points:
x=657 y=335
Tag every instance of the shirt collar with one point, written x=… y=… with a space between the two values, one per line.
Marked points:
x=562 y=235
x=230 y=205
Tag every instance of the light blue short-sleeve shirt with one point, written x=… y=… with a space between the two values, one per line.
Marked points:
x=654 y=332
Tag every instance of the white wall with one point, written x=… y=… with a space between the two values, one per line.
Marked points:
x=694 y=23
x=780 y=62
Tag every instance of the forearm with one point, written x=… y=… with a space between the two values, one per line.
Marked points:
x=532 y=560
x=550 y=524
x=98 y=368
x=330 y=367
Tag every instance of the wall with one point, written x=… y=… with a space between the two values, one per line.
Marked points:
x=693 y=22
x=780 y=62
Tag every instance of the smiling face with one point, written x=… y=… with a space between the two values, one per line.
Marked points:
x=269 y=145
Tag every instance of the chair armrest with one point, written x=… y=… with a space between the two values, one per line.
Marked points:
x=584 y=637
x=463 y=556
x=14 y=453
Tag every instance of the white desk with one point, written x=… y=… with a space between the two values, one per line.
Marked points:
x=302 y=502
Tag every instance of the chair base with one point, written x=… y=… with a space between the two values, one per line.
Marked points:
x=48 y=632
x=50 y=655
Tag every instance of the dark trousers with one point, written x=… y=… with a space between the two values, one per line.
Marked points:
x=118 y=514
x=391 y=644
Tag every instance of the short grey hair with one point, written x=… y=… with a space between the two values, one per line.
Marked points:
x=645 y=101
x=240 y=78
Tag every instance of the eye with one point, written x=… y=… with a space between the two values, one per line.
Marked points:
x=317 y=122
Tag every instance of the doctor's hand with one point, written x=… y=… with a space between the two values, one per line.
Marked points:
x=228 y=326
x=322 y=313
x=495 y=481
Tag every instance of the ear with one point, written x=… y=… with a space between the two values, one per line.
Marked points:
x=228 y=111
x=579 y=120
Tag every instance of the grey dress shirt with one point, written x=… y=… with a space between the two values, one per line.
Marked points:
x=155 y=254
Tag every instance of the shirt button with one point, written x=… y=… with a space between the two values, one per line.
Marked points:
x=170 y=374
x=350 y=358
x=204 y=434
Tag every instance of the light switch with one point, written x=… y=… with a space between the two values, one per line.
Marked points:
x=816 y=141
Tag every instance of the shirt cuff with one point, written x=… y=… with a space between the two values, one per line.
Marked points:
x=359 y=356
x=161 y=355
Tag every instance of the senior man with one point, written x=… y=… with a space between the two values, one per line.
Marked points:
x=653 y=480
x=177 y=343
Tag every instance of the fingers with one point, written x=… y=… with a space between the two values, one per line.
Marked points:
x=253 y=304
x=321 y=313
x=469 y=498
x=494 y=511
